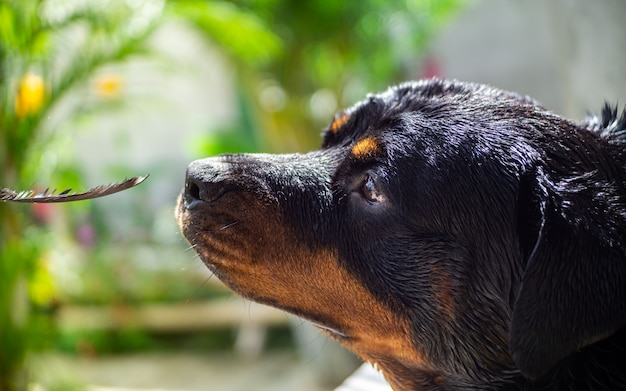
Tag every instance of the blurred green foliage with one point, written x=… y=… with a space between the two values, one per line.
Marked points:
x=320 y=56
x=47 y=49
x=241 y=34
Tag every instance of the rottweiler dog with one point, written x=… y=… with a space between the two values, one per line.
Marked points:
x=455 y=235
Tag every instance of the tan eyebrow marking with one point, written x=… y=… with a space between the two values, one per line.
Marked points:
x=368 y=147
x=338 y=123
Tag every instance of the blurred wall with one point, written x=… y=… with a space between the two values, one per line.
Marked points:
x=590 y=38
x=568 y=54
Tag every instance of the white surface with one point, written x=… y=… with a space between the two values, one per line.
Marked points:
x=366 y=378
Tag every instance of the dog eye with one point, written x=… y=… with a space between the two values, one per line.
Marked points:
x=370 y=191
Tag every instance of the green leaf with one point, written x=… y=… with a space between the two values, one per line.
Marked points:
x=241 y=33
x=7 y=26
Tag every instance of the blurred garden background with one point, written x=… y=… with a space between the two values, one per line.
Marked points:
x=105 y=294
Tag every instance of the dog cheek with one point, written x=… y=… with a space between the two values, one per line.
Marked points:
x=431 y=279
x=312 y=284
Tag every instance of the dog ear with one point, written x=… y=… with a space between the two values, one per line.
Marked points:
x=572 y=292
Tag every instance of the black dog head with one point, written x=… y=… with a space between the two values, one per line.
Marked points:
x=454 y=234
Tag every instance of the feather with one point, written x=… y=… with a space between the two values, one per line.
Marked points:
x=9 y=195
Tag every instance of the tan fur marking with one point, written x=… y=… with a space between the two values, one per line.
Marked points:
x=368 y=147
x=338 y=123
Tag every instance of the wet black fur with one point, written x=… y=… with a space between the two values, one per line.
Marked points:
x=517 y=213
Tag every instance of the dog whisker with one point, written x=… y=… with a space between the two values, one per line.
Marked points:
x=188 y=249
x=229 y=225
x=194 y=295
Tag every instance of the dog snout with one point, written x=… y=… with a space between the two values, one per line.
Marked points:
x=205 y=182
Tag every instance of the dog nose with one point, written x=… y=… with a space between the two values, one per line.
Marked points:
x=205 y=183
x=192 y=192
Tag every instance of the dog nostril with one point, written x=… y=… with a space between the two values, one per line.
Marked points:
x=193 y=191
x=192 y=194
x=198 y=191
x=206 y=181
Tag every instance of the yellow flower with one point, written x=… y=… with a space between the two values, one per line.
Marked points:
x=41 y=284
x=30 y=95
x=108 y=86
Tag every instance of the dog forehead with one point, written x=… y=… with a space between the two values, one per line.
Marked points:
x=379 y=113
x=339 y=121
x=365 y=148
x=361 y=128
